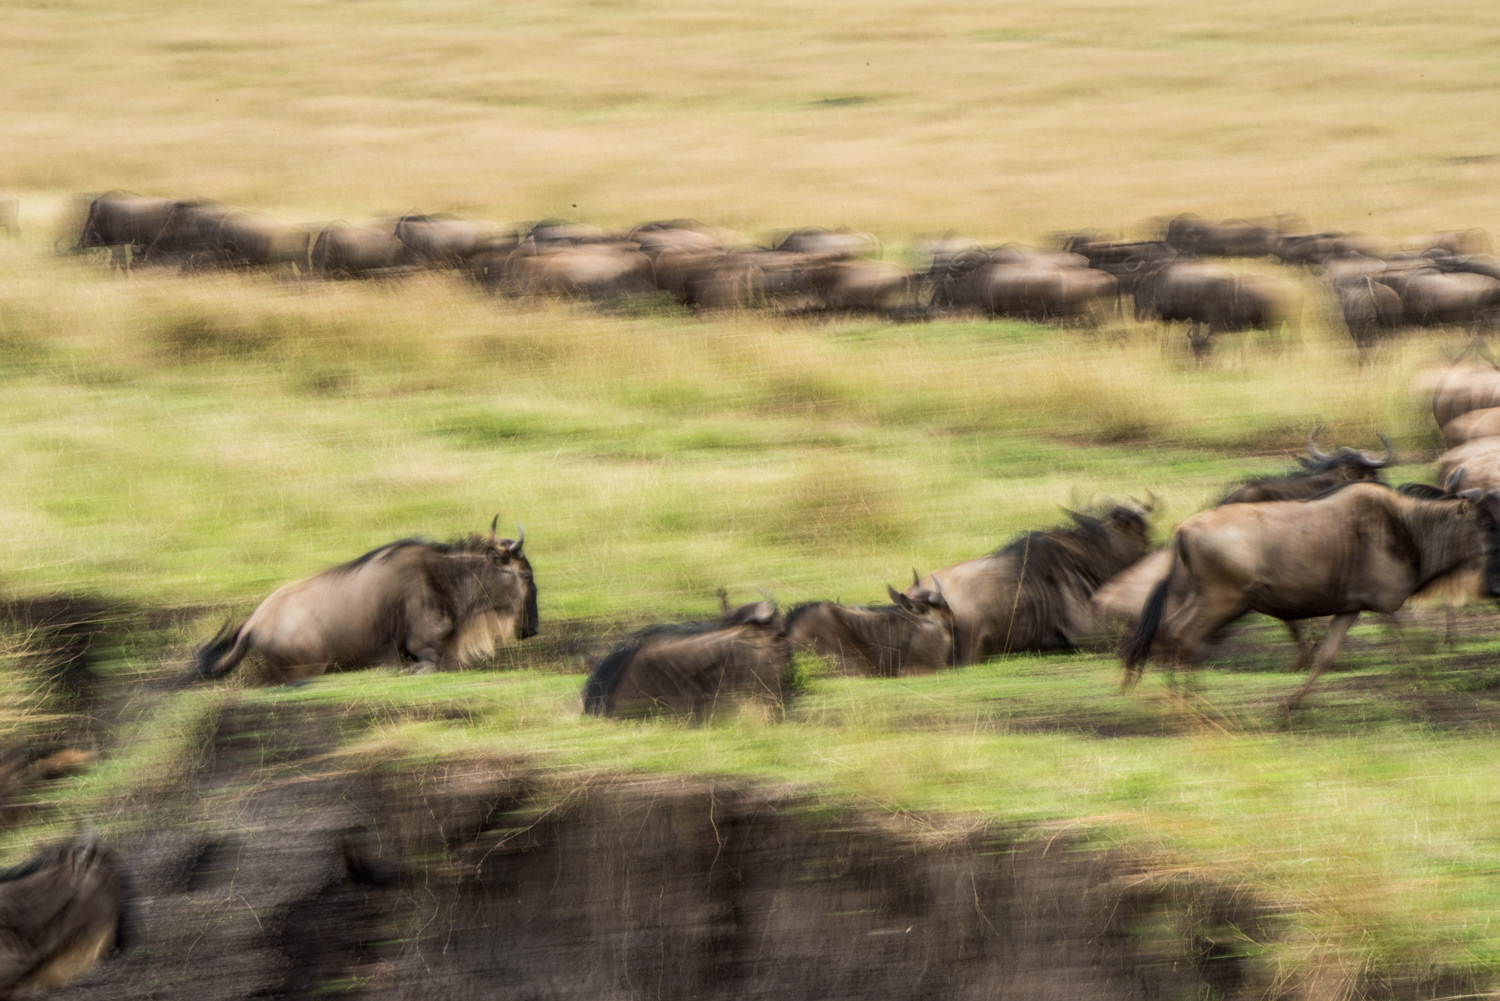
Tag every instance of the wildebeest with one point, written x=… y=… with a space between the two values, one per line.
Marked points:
x=1364 y=548
x=1023 y=282
x=1320 y=248
x=1119 y=600
x=123 y=222
x=828 y=244
x=1370 y=309
x=1201 y=294
x=61 y=912
x=1319 y=475
x=599 y=271
x=1471 y=426
x=691 y=668
x=1459 y=389
x=914 y=635
x=1231 y=238
x=444 y=241
x=251 y=240
x=443 y=605
x=1034 y=593
x=1433 y=295
x=862 y=286
x=344 y=251
x=188 y=235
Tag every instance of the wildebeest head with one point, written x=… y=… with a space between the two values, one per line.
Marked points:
x=932 y=639
x=515 y=587
x=60 y=913
x=491 y=587
x=1320 y=474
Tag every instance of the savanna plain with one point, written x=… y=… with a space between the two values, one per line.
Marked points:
x=176 y=446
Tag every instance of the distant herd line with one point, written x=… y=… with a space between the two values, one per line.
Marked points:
x=1381 y=285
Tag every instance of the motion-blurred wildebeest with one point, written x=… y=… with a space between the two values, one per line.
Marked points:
x=1201 y=294
x=1371 y=309
x=188 y=234
x=1472 y=426
x=1320 y=474
x=1232 y=238
x=1119 y=600
x=1320 y=248
x=60 y=913
x=1034 y=594
x=445 y=606
x=598 y=271
x=1461 y=388
x=828 y=244
x=123 y=223
x=1477 y=460
x=913 y=635
x=344 y=251
x=1364 y=548
x=692 y=668
x=863 y=286
x=251 y=240
x=445 y=241
x=1434 y=295
x=1026 y=283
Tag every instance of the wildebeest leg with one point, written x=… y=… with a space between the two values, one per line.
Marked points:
x=1304 y=645
x=1201 y=344
x=1337 y=630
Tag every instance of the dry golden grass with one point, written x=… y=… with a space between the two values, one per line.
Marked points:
x=1006 y=120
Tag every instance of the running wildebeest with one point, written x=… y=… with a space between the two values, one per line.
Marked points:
x=1364 y=548
x=122 y=222
x=1200 y=294
x=1370 y=310
x=60 y=913
x=1034 y=594
x=914 y=635
x=1459 y=389
x=344 y=251
x=445 y=606
x=1231 y=238
x=691 y=668
x=1023 y=282
x=444 y=241
x=1120 y=598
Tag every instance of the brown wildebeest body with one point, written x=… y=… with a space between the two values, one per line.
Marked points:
x=118 y=221
x=443 y=241
x=1432 y=296
x=828 y=244
x=1024 y=282
x=1471 y=426
x=1478 y=458
x=1321 y=248
x=247 y=239
x=1034 y=594
x=1202 y=294
x=446 y=606
x=1370 y=309
x=597 y=271
x=1122 y=597
x=1232 y=238
x=60 y=913
x=912 y=636
x=692 y=668
x=343 y=251
x=854 y=286
x=188 y=232
x=1364 y=548
x=1462 y=388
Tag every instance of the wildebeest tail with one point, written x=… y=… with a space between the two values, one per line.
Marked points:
x=1139 y=647
x=605 y=678
x=221 y=654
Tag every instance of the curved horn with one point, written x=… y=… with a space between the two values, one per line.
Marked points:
x=493 y=526
x=916 y=578
x=897 y=598
x=1368 y=459
x=1455 y=481
x=515 y=547
x=1312 y=445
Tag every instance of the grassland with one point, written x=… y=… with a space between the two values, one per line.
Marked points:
x=196 y=441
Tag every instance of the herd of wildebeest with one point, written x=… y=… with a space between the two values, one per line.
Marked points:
x=1330 y=538
x=1380 y=285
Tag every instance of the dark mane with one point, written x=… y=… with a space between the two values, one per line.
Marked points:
x=473 y=544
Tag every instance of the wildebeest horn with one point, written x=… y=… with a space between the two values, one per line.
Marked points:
x=896 y=596
x=515 y=547
x=1455 y=481
x=493 y=525
x=1312 y=445
x=723 y=601
x=90 y=838
x=1369 y=460
x=916 y=578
